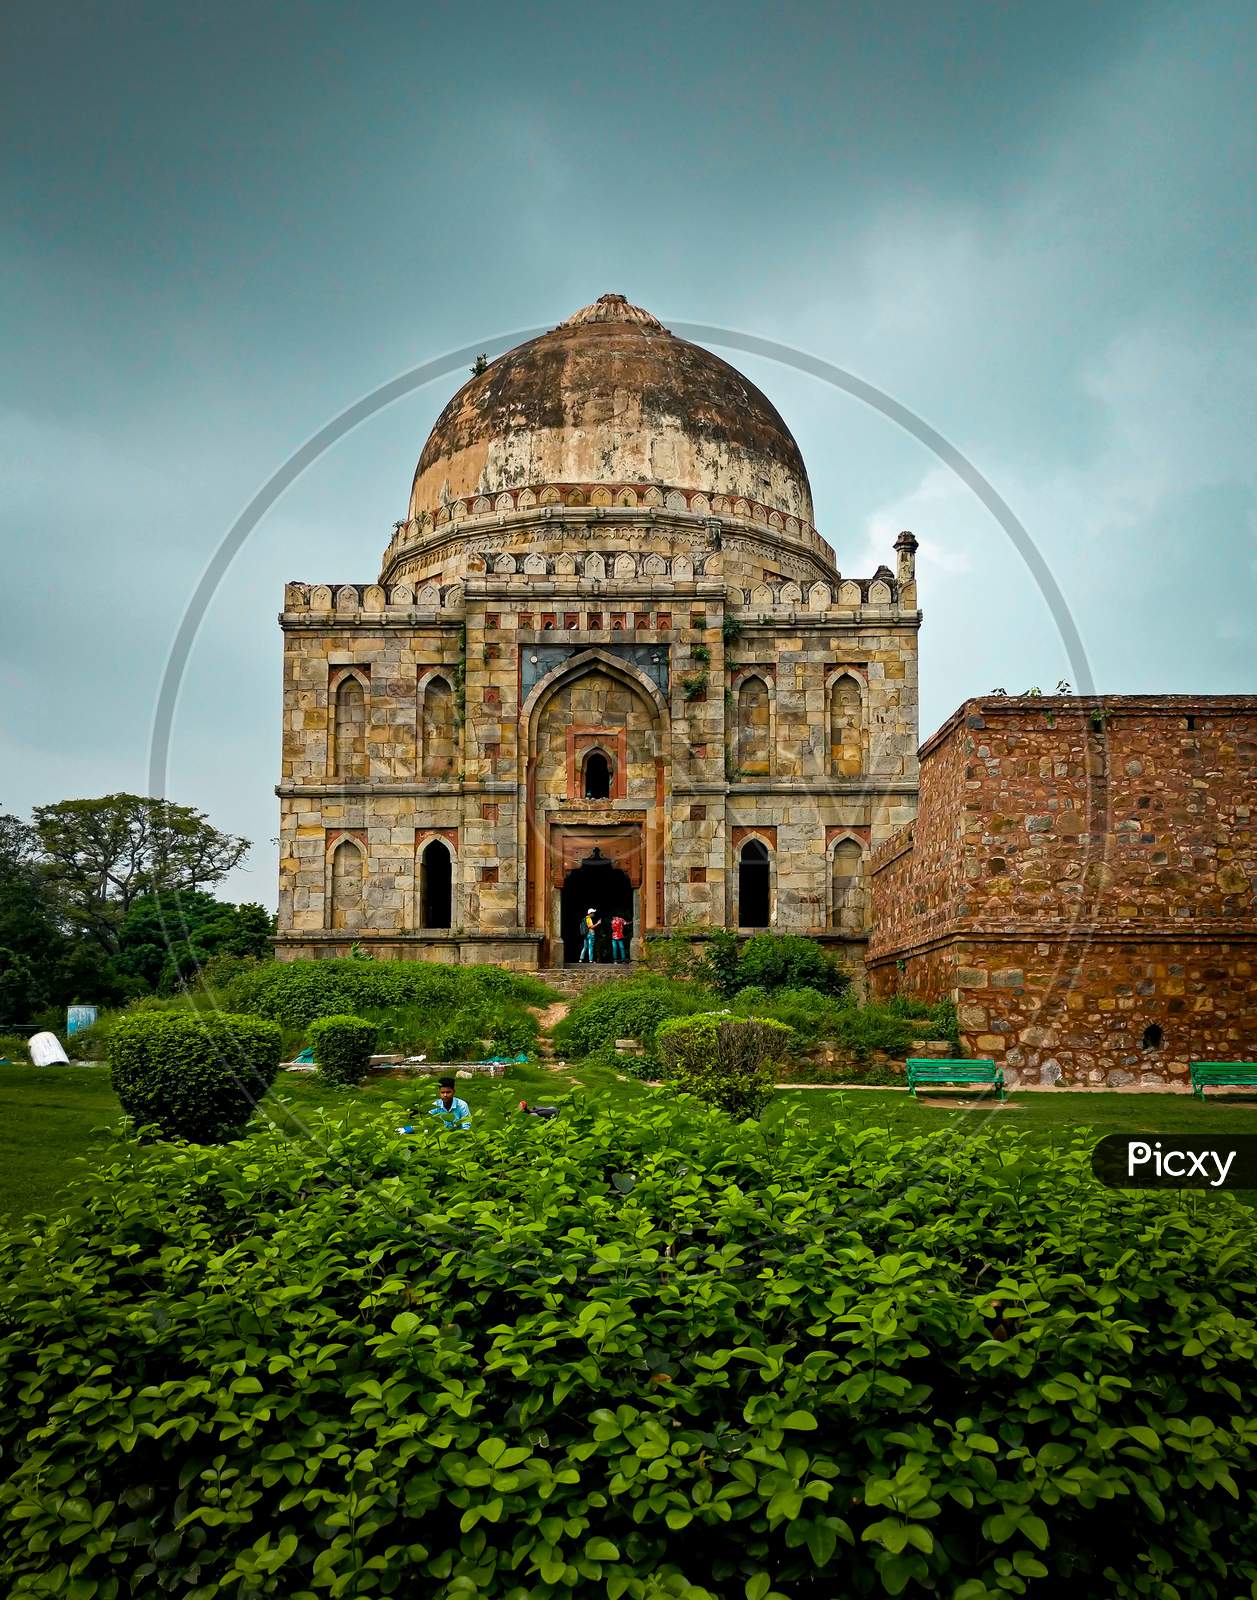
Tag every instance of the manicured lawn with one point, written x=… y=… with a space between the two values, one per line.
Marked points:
x=50 y=1117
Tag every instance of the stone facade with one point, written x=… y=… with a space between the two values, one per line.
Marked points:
x=660 y=697
x=1080 y=878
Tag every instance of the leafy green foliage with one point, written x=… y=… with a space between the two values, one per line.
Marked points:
x=890 y=1026
x=342 y=1047
x=195 y=1076
x=721 y=961
x=722 y=1060
x=766 y=961
x=626 y=1008
x=166 y=940
x=444 y=1012
x=296 y=992
x=102 y=855
x=810 y=1365
x=788 y=961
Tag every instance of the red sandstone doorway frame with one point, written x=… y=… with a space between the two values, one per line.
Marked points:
x=625 y=840
x=536 y=907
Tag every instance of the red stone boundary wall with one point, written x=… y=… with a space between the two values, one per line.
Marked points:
x=1080 y=878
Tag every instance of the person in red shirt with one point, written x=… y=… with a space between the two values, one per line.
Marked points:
x=617 y=939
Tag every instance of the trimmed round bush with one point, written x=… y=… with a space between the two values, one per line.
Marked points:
x=638 y=1356
x=342 y=1048
x=196 y=1076
x=723 y=1060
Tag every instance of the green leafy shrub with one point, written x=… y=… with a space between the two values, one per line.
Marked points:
x=342 y=1048
x=721 y=961
x=886 y=1025
x=461 y=1037
x=809 y=1014
x=446 y=1012
x=939 y=1016
x=672 y=954
x=196 y=1077
x=788 y=961
x=626 y=1008
x=723 y=1060
x=819 y=1364
x=14 y=1047
x=296 y=992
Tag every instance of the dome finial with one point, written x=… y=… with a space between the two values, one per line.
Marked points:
x=613 y=308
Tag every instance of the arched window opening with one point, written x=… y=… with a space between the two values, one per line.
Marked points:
x=754 y=728
x=597 y=776
x=349 y=735
x=847 y=912
x=436 y=732
x=346 y=885
x=436 y=885
x=754 y=885
x=1153 y=1037
x=846 y=728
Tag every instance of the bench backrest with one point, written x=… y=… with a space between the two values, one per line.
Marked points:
x=929 y=1068
x=1242 y=1071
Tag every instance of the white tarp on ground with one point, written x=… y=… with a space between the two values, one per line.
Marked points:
x=45 y=1049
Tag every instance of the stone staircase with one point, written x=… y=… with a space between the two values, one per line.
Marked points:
x=574 y=980
x=571 y=982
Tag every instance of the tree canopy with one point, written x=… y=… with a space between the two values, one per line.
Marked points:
x=103 y=855
x=106 y=899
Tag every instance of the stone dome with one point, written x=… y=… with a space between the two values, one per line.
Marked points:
x=611 y=397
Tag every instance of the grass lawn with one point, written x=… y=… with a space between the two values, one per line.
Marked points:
x=50 y=1117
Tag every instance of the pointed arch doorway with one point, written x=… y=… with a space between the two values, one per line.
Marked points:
x=597 y=882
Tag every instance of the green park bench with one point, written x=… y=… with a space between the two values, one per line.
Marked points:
x=924 y=1073
x=1223 y=1074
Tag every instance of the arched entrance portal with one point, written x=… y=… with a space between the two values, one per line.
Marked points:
x=596 y=882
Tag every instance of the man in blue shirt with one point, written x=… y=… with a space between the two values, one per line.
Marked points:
x=452 y=1111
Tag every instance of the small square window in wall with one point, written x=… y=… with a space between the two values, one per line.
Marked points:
x=571 y=619
x=595 y=620
x=698 y=620
x=493 y=651
x=698 y=813
x=642 y=619
x=492 y=695
x=491 y=753
x=488 y=874
x=525 y=619
x=489 y=810
x=698 y=874
x=548 y=619
x=663 y=620
x=492 y=619
x=617 y=621
x=698 y=751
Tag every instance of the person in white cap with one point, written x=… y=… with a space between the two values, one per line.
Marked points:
x=590 y=926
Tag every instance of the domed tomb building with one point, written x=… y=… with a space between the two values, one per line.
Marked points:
x=608 y=662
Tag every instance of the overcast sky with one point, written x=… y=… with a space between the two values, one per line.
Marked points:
x=1033 y=225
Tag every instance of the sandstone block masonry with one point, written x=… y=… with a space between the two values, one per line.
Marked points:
x=1081 y=879
x=698 y=703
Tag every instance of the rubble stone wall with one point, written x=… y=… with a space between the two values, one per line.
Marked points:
x=1080 y=878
